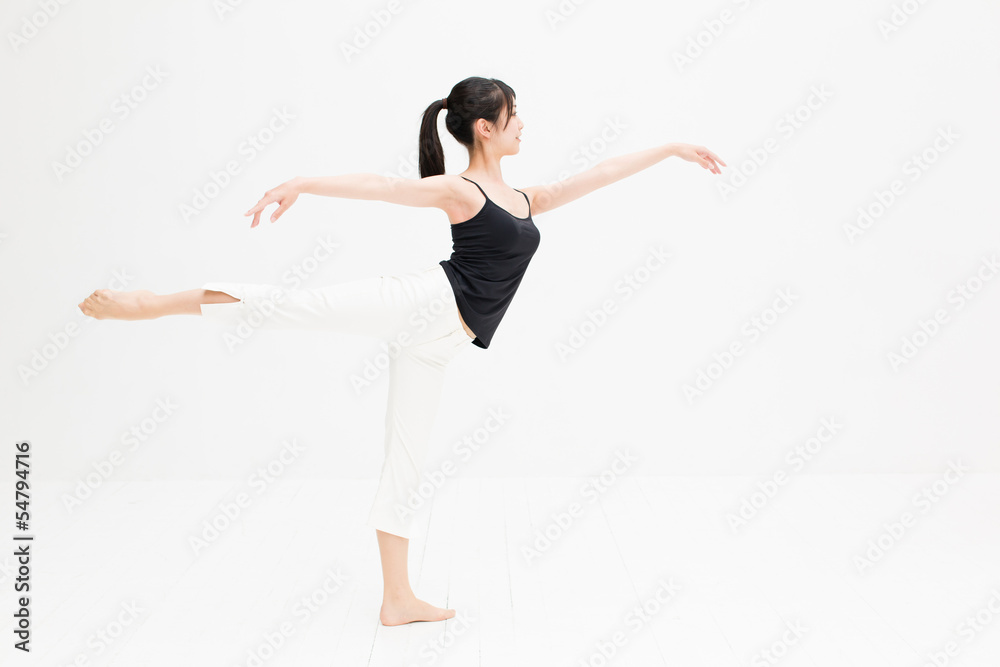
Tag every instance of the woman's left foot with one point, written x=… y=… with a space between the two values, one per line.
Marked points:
x=105 y=304
x=408 y=611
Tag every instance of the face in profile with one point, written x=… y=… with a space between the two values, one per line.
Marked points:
x=507 y=141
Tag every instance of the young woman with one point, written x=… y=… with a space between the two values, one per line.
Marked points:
x=460 y=300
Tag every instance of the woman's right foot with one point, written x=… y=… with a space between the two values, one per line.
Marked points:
x=105 y=304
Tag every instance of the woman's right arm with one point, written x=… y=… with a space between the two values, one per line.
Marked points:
x=438 y=191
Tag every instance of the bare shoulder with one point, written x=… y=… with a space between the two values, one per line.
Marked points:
x=465 y=200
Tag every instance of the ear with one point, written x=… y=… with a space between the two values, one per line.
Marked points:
x=483 y=127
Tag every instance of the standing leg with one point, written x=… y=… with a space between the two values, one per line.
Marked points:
x=416 y=383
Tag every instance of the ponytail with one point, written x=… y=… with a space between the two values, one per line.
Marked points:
x=431 y=153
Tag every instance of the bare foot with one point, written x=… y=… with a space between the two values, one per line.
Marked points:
x=398 y=612
x=105 y=304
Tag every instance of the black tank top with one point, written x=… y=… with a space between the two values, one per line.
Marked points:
x=490 y=253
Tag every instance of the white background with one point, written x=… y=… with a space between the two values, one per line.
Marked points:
x=826 y=357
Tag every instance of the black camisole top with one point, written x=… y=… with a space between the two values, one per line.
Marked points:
x=490 y=253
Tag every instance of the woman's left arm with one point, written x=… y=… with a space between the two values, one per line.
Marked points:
x=547 y=197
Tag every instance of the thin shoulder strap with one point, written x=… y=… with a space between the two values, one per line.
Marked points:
x=527 y=200
x=477 y=185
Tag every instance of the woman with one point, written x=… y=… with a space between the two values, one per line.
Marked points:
x=460 y=300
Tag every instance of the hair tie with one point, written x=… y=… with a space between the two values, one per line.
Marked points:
x=444 y=102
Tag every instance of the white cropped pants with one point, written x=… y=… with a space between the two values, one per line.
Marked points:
x=418 y=312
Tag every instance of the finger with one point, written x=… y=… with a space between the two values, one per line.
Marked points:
x=264 y=201
x=277 y=214
x=717 y=159
x=256 y=220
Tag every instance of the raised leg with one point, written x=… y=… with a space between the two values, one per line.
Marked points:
x=106 y=304
x=403 y=309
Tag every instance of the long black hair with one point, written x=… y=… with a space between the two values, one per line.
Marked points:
x=470 y=99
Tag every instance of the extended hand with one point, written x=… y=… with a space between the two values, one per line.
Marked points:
x=701 y=155
x=285 y=194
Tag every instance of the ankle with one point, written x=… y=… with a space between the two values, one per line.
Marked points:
x=398 y=594
x=147 y=303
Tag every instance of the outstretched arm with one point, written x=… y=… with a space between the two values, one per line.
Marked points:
x=547 y=197
x=436 y=191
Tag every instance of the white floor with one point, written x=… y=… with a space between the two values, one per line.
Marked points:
x=785 y=589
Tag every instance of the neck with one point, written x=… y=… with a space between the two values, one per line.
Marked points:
x=487 y=164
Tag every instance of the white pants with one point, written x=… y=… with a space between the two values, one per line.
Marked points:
x=418 y=312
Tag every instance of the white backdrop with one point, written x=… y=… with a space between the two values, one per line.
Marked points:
x=119 y=115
